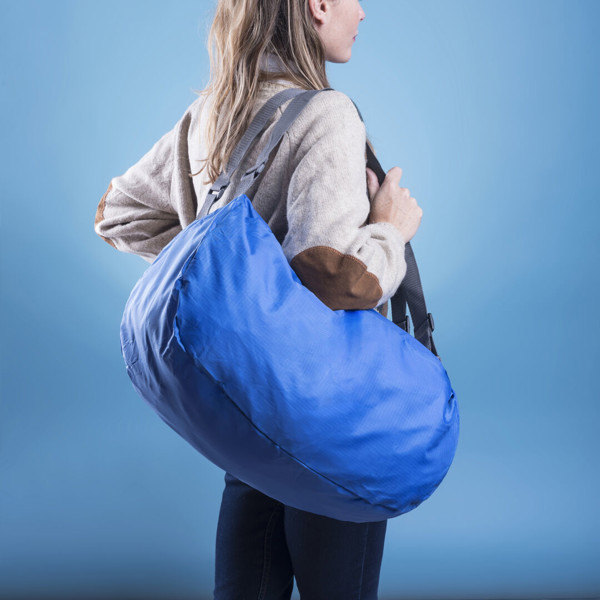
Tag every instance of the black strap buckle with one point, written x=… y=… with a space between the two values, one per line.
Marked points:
x=430 y=318
x=404 y=323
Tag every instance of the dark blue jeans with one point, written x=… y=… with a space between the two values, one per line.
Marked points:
x=263 y=544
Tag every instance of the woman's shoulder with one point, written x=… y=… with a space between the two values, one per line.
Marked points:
x=330 y=115
x=333 y=105
x=329 y=109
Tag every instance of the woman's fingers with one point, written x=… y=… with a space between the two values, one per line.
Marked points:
x=393 y=204
x=372 y=183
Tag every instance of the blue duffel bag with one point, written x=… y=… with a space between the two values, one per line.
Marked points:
x=337 y=412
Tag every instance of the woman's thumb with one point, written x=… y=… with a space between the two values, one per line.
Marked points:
x=372 y=183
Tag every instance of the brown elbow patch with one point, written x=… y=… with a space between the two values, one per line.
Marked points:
x=100 y=213
x=341 y=281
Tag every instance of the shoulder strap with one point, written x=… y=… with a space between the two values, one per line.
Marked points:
x=287 y=118
x=410 y=290
x=300 y=99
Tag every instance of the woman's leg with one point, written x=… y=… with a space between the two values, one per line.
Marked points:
x=334 y=560
x=252 y=560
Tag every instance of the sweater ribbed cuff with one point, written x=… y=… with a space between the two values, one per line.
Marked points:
x=390 y=230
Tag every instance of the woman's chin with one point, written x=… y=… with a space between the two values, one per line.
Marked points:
x=341 y=57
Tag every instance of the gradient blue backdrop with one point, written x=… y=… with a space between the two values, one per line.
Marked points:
x=491 y=109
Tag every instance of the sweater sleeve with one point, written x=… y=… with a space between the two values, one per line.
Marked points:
x=347 y=263
x=136 y=214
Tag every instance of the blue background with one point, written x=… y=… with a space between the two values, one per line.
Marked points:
x=491 y=110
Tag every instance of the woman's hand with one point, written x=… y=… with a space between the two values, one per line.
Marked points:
x=393 y=204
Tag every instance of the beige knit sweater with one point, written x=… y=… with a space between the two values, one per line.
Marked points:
x=312 y=193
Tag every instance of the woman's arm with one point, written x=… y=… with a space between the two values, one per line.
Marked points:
x=346 y=262
x=137 y=213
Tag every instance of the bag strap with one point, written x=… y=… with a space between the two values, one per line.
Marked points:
x=410 y=290
x=283 y=124
x=256 y=126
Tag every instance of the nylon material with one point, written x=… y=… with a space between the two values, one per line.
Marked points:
x=322 y=496
x=204 y=424
x=229 y=373
x=262 y=406
x=363 y=487
x=451 y=409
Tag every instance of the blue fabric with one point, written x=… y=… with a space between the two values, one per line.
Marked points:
x=340 y=413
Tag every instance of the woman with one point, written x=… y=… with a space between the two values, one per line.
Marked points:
x=343 y=234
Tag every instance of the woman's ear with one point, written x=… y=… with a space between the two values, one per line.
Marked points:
x=318 y=10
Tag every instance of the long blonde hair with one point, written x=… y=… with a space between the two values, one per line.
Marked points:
x=243 y=32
